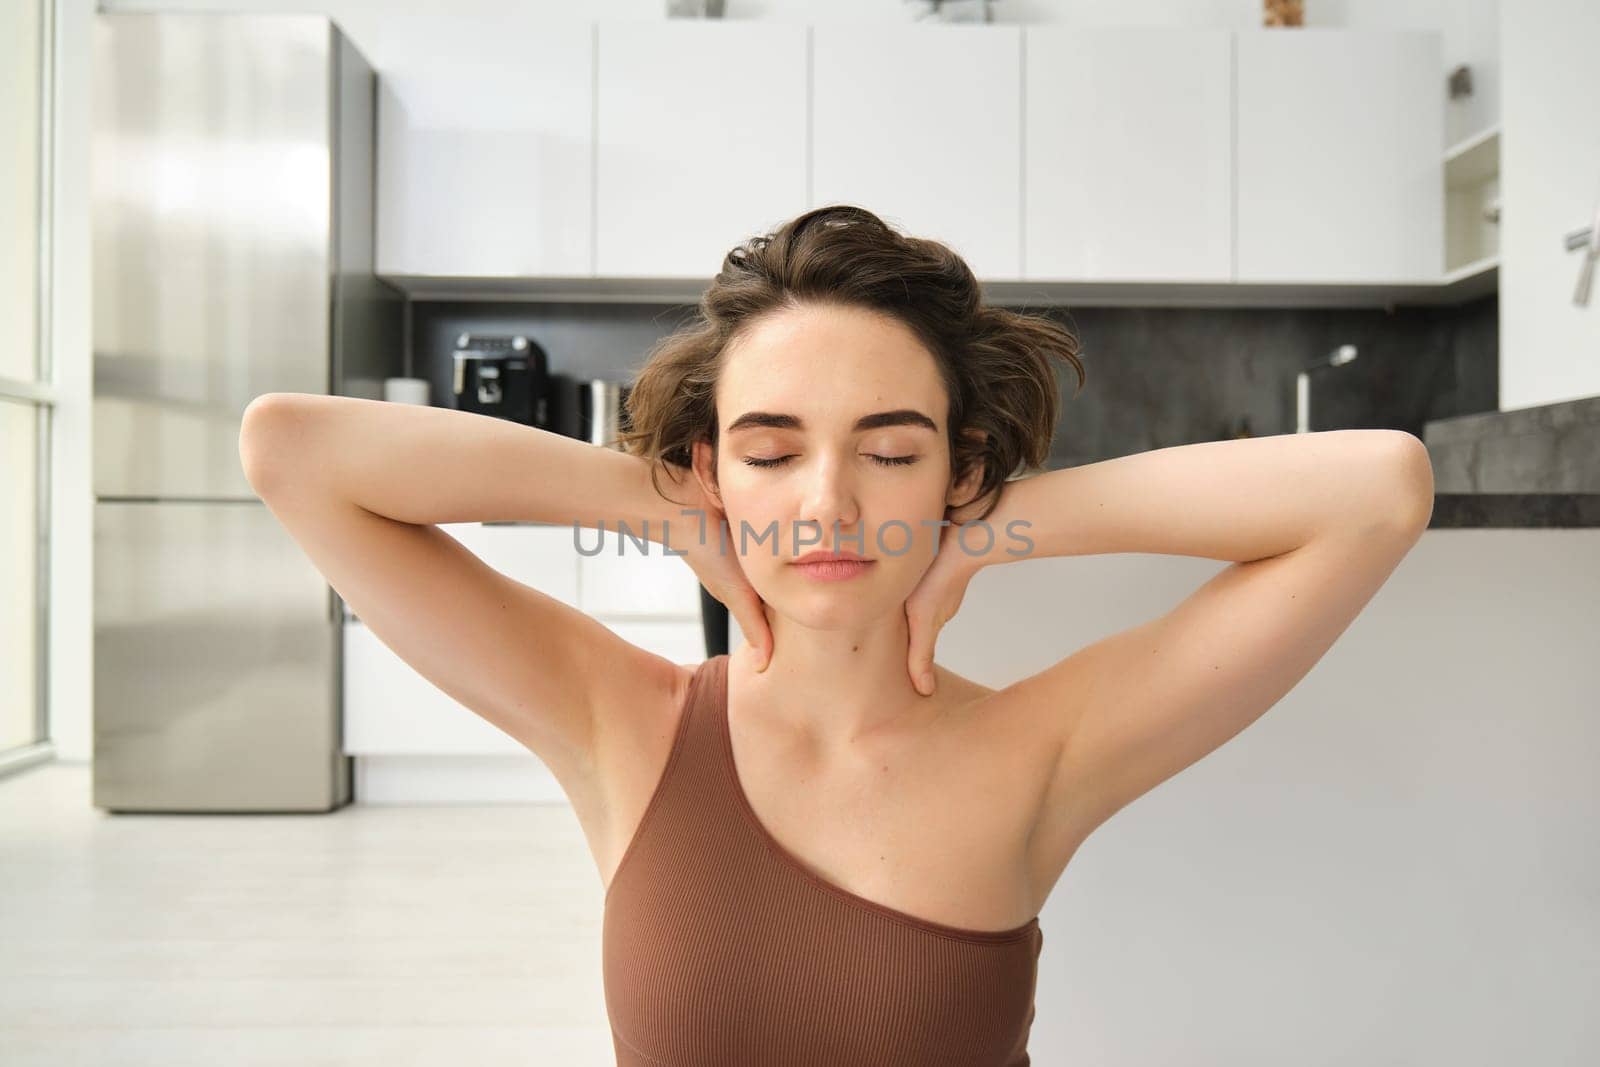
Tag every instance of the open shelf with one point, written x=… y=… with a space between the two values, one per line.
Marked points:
x=1473 y=160
x=1471 y=210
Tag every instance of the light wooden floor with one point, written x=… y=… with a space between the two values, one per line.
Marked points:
x=374 y=935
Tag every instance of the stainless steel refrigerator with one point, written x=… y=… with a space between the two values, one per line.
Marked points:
x=232 y=190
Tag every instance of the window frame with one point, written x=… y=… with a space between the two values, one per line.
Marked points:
x=41 y=393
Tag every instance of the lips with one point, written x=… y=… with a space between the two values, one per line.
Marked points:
x=822 y=556
x=832 y=566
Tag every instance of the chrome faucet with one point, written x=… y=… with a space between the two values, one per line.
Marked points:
x=1302 y=384
x=1589 y=241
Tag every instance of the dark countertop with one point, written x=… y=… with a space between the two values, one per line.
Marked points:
x=1533 y=467
x=1506 y=510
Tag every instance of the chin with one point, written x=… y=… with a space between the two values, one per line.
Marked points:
x=829 y=605
x=839 y=615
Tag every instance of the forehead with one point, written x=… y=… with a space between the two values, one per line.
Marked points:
x=831 y=363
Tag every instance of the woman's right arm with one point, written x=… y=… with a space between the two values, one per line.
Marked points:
x=421 y=464
x=361 y=486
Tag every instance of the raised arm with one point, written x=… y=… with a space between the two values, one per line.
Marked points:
x=361 y=484
x=419 y=464
x=1314 y=524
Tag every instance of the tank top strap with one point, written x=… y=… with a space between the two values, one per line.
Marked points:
x=684 y=807
x=700 y=729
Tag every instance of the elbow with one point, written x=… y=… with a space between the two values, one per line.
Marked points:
x=1409 y=501
x=262 y=440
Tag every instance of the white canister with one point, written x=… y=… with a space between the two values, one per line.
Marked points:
x=407 y=391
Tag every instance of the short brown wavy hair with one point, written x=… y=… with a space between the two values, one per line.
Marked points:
x=996 y=364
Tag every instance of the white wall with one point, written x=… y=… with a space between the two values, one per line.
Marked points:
x=1550 y=185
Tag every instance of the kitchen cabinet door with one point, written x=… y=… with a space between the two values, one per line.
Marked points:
x=484 y=145
x=680 y=642
x=1339 y=156
x=541 y=555
x=1128 y=155
x=391 y=710
x=618 y=577
x=921 y=124
x=701 y=141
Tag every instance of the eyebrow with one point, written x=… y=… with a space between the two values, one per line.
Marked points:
x=874 y=421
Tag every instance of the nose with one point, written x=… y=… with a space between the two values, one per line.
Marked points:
x=829 y=508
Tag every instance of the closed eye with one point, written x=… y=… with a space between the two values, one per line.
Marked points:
x=778 y=461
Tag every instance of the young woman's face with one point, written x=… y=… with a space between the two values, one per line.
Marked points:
x=831 y=435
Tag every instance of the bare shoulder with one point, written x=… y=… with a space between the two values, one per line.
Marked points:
x=996 y=712
x=644 y=716
x=1009 y=732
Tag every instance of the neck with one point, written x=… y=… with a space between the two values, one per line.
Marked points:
x=838 y=687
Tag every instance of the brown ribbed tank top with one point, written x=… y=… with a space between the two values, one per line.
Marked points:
x=721 y=949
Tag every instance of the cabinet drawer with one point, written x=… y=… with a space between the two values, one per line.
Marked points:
x=391 y=710
x=637 y=582
x=543 y=557
x=680 y=642
x=540 y=556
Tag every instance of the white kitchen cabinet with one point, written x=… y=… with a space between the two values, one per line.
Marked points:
x=635 y=583
x=679 y=641
x=652 y=601
x=391 y=710
x=1339 y=140
x=701 y=141
x=921 y=124
x=542 y=556
x=1128 y=154
x=484 y=145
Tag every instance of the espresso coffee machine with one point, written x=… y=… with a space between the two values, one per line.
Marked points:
x=509 y=376
x=504 y=376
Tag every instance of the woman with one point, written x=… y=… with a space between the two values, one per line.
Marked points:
x=824 y=848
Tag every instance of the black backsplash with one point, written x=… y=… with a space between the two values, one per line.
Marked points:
x=1155 y=376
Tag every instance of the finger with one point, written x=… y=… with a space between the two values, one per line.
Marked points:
x=762 y=631
x=920 y=653
x=753 y=621
x=752 y=636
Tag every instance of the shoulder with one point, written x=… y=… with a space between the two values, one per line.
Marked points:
x=643 y=711
x=987 y=716
x=671 y=690
x=958 y=689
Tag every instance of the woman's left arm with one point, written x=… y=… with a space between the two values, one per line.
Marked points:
x=1314 y=524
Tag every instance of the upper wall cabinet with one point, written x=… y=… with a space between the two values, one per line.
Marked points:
x=921 y=124
x=1129 y=160
x=1119 y=161
x=1340 y=134
x=701 y=141
x=484 y=146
